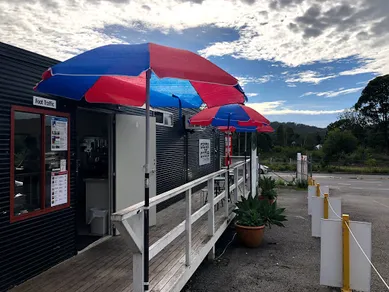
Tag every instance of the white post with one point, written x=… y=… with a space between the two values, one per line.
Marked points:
x=236 y=179
x=188 y=227
x=298 y=166
x=211 y=215
x=226 y=193
x=244 y=179
x=137 y=257
x=254 y=176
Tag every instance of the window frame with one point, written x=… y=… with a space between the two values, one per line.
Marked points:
x=163 y=118
x=43 y=209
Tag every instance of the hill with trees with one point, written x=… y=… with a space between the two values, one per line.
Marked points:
x=357 y=142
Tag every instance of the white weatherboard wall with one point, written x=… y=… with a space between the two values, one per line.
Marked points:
x=130 y=161
x=318 y=212
x=331 y=255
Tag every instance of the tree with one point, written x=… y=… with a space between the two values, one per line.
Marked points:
x=353 y=121
x=373 y=104
x=280 y=132
x=338 y=143
x=289 y=133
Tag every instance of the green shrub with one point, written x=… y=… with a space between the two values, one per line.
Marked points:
x=371 y=162
x=302 y=184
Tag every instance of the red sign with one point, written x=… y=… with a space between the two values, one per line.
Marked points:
x=228 y=149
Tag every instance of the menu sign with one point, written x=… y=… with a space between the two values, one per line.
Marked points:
x=59 y=134
x=59 y=188
x=204 y=151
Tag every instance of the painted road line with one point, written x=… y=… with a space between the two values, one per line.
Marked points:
x=381 y=204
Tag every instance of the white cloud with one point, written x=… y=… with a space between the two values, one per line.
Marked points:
x=277 y=108
x=258 y=80
x=308 y=77
x=251 y=94
x=355 y=71
x=340 y=91
x=284 y=33
x=292 y=85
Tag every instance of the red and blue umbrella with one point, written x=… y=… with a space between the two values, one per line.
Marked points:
x=117 y=74
x=229 y=115
x=135 y=75
x=239 y=129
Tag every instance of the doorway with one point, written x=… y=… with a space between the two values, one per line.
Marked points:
x=94 y=173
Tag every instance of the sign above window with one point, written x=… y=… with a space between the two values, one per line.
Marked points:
x=44 y=102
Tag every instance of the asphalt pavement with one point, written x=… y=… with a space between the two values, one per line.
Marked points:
x=289 y=259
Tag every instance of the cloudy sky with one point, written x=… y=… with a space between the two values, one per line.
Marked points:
x=298 y=60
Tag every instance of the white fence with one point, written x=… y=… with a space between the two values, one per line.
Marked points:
x=345 y=259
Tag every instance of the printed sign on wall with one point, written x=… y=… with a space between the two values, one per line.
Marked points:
x=59 y=134
x=204 y=151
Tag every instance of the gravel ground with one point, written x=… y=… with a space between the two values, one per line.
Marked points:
x=289 y=258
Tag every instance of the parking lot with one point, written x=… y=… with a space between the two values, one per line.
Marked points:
x=289 y=259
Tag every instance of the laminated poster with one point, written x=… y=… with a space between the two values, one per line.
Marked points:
x=59 y=188
x=59 y=134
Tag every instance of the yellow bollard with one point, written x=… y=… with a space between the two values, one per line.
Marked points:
x=346 y=253
x=317 y=190
x=325 y=206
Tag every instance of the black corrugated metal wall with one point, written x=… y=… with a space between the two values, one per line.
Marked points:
x=33 y=245
x=30 y=246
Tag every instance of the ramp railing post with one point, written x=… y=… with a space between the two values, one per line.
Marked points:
x=188 y=227
x=236 y=180
x=227 y=192
x=211 y=215
x=244 y=179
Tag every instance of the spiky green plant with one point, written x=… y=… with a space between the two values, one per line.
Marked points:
x=267 y=186
x=254 y=212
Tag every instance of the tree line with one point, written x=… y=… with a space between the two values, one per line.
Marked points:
x=360 y=135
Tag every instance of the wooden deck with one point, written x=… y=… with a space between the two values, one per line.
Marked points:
x=108 y=266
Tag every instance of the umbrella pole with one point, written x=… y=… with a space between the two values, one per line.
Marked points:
x=245 y=156
x=147 y=191
x=228 y=158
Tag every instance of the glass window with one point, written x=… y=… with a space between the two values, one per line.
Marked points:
x=27 y=162
x=40 y=152
x=158 y=117
x=55 y=160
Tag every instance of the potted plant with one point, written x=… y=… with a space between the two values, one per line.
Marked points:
x=252 y=215
x=268 y=189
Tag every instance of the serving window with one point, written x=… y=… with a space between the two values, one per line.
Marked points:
x=40 y=160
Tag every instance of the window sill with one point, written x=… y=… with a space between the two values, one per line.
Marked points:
x=17 y=218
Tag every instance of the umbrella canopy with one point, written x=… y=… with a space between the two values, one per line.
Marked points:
x=228 y=115
x=260 y=129
x=116 y=74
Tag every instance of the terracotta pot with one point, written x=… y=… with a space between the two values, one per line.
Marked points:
x=250 y=236
x=270 y=201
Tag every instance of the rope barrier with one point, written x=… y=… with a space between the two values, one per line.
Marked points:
x=358 y=244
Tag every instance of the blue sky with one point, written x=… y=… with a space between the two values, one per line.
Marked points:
x=302 y=61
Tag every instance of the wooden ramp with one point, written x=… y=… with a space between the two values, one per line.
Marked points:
x=110 y=265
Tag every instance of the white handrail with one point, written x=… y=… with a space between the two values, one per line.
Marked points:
x=135 y=209
x=132 y=231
